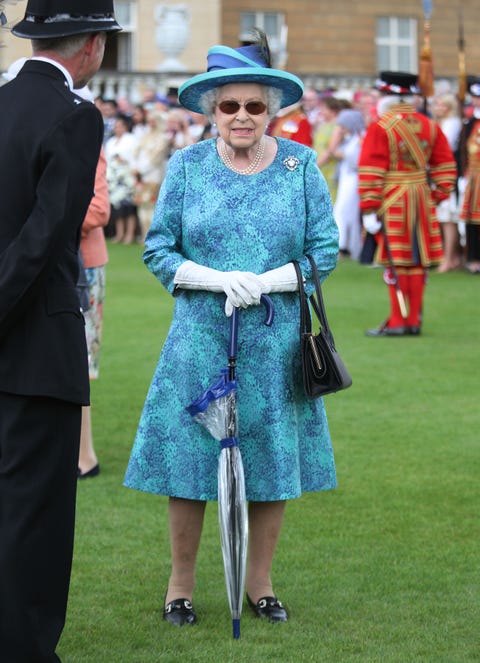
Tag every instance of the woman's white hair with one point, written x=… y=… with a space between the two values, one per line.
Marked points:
x=208 y=101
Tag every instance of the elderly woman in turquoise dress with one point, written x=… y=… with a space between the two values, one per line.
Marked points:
x=233 y=212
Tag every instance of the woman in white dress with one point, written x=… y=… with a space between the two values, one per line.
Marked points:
x=119 y=151
x=346 y=144
x=150 y=157
x=445 y=113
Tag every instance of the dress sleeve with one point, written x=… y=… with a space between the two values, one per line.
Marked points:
x=98 y=212
x=321 y=234
x=163 y=243
x=443 y=169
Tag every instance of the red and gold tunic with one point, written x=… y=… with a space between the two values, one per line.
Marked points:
x=406 y=166
x=294 y=125
x=471 y=203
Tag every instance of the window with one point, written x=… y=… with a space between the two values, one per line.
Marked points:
x=124 y=13
x=273 y=24
x=124 y=47
x=396 y=42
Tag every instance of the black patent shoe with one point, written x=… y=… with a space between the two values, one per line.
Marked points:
x=269 y=607
x=179 y=612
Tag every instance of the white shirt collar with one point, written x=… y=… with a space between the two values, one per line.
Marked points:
x=64 y=71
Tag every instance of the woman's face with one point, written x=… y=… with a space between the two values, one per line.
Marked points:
x=119 y=128
x=241 y=130
x=327 y=113
x=138 y=116
x=440 y=108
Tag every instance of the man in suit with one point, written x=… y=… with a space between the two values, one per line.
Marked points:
x=50 y=142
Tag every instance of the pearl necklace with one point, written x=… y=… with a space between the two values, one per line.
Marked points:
x=252 y=167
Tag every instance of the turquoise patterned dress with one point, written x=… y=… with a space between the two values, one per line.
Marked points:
x=211 y=215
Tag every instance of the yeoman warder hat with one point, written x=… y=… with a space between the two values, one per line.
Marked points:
x=47 y=19
x=246 y=64
x=397 y=82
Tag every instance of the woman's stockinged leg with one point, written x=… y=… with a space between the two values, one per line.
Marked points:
x=185 y=524
x=264 y=524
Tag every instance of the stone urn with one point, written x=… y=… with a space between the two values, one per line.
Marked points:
x=172 y=33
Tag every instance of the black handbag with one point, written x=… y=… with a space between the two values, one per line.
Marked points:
x=323 y=369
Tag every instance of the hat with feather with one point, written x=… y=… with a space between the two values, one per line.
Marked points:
x=250 y=63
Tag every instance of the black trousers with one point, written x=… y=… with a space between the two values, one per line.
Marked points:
x=39 y=443
x=472 y=231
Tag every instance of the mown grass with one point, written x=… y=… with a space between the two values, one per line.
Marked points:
x=383 y=569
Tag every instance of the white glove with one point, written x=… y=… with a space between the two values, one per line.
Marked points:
x=371 y=223
x=242 y=288
x=281 y=279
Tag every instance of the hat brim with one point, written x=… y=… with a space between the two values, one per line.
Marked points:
x=32 y=30
x=191 y=91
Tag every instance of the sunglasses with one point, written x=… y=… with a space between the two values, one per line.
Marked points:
x=252 y=107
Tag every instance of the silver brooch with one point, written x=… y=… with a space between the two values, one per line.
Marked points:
x=291 y=163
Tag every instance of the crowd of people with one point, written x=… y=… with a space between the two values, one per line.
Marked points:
x=140 y=139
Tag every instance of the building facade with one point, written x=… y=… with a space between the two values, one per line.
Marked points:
x=341 y=44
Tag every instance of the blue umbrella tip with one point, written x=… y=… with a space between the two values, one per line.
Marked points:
x=236 y=628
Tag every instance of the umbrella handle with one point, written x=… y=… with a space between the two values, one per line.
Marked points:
x=267 y=302
x=232 y=346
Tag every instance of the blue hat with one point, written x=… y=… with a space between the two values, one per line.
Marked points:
x=397 y=82
x=246 y=64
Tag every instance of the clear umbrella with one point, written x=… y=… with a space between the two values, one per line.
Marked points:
x=216 y=410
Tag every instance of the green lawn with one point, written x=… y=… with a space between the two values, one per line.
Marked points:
x=383 y=569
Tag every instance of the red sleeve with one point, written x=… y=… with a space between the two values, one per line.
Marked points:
x=304 y=133
x=373 y=163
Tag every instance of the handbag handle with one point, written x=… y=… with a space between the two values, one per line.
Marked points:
x=316 y=301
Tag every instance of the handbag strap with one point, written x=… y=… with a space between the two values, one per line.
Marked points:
x=305 y=319
x=316 y=301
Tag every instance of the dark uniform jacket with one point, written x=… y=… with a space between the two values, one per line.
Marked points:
x=49 y=147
